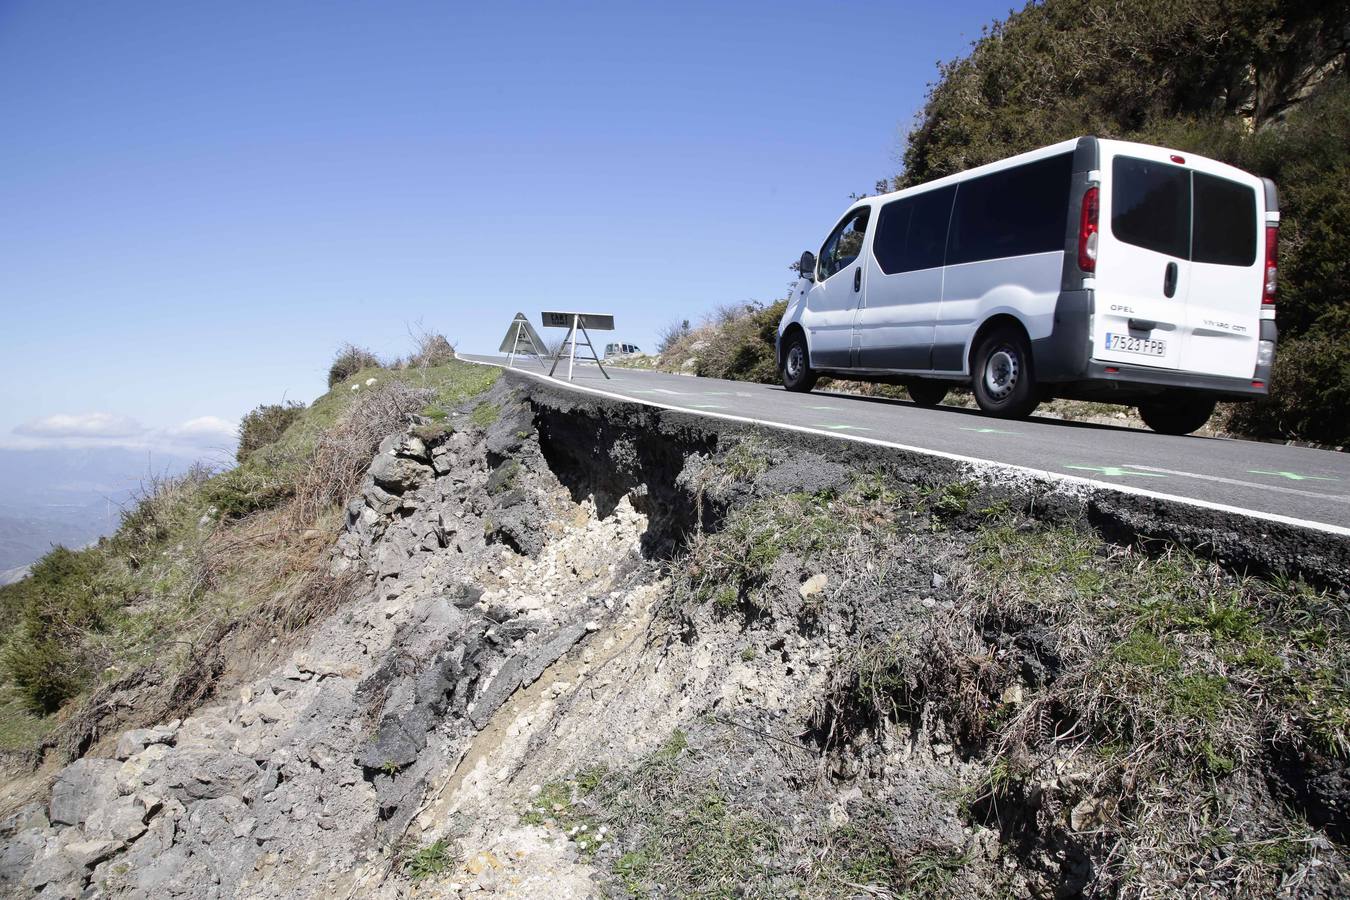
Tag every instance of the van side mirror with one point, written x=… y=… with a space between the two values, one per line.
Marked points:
x=807 y=265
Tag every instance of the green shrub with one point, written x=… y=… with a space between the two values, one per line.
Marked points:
x=246 y=489
x=432 y=350
x=742 y=347
x=350 y=359
x=264 y=426
x=1309 y=394
x=67 y=595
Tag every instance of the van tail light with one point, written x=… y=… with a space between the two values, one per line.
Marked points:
x=1272 y=255
x=1087 y=231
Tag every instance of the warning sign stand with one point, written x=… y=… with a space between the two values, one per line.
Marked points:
x=522 y=338
x=574 y=322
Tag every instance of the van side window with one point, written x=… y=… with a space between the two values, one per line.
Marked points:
x=1012 y=213
x=1224 y=226
x=912 y=231
x=1151 y=206
x=844 y=244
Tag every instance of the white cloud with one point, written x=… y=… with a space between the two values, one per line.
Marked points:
x=211 y=430
x=203 y=436
x=88 y=425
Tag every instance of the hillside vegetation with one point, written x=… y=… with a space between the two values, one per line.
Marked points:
x=206 y=568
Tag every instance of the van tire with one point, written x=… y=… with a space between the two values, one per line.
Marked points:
x=927 y=393
x=1177 y=414
x=1001 y=374
x=796 y=370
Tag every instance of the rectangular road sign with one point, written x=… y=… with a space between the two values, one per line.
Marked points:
x=589 y=321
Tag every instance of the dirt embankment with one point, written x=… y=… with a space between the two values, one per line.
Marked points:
x=607 y=650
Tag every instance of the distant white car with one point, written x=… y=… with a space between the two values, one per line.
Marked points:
x=622 y=351
x=1092 y=269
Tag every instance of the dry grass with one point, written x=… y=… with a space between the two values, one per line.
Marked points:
x=1124 y=705
x=343 y=452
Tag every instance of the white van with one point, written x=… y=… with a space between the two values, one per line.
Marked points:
x=622 y=351
x=1091 y=269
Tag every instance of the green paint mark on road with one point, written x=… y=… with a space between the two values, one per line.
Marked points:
x=1293 y=476
x=1116 y=471
x=987 y=430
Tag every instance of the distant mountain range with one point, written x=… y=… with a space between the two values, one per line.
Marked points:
x=70 y=497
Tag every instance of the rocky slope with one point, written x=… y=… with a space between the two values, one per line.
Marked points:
x=603 y=652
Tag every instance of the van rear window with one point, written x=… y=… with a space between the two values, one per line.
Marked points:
x=1186 y=214
x=1224 y=231
x=1151 y=205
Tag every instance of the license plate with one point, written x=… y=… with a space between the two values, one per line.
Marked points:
x=1127 y=344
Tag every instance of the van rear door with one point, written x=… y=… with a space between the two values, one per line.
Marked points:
x=1223 y=306
x=1143 y=265
x=1178 y=284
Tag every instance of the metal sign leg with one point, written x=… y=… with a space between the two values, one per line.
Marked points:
x=594 y=355
x=572 y=360
x=557 y=357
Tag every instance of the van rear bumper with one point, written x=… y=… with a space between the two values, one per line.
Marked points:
x=1106 y=379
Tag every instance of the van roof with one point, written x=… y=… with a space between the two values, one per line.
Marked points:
x=1042 y=152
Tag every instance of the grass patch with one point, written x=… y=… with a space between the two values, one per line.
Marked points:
x=1151 y=676
x=433 y=859
x=485 y=415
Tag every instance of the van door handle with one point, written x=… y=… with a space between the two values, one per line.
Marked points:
x=1170 y=280
x=857 y=280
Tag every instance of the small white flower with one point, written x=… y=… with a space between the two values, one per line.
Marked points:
x=369 y=382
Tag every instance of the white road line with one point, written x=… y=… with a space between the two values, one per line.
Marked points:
x=1252 y=484
x=974 y=462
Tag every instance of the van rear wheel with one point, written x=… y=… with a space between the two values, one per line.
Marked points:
x=1003 y=381
x=926 y=393
x=1177 y=414
x=796 y=371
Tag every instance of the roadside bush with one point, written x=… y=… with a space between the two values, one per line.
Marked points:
x=265 y=425
x=432 y=350
x=1309 y=393
x=66 y=596
x=742 y=348
x=350 y=359
x=672 y=334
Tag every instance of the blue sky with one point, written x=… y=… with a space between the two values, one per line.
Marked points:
x=199 y=202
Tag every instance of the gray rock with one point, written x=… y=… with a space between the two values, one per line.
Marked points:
x=137 y=739
x=52 y=865
x=201 y=774
x=380 y=500
x=398 y=474
x=80 y=787
x=522 y=670
x=90 y=853
x=124 y=819
x=17 y=853
x=413 y=447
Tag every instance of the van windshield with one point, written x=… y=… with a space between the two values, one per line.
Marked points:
x=1189 y=215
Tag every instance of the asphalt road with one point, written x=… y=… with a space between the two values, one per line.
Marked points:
x=1310 y=487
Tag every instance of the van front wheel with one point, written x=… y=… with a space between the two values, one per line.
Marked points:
x=797 y=374
x=1003 y=381
x=1177 y=414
